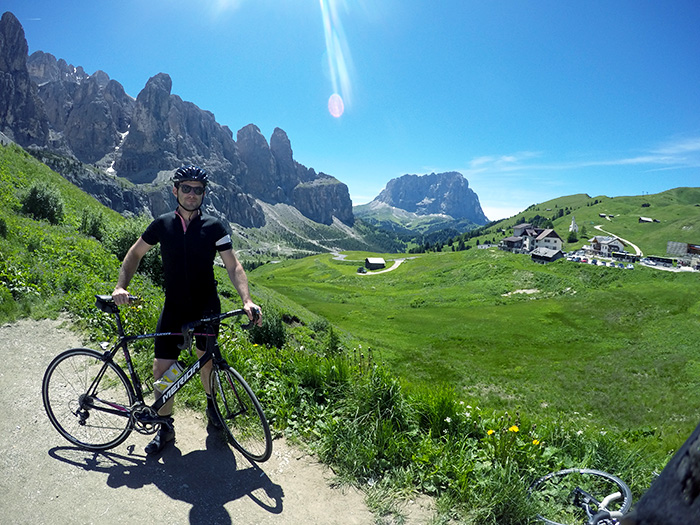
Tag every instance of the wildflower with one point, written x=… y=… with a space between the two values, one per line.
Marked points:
x=514 y=428
x=448 y=419
x=489 y=432
x=579 y=432
x=535 y=441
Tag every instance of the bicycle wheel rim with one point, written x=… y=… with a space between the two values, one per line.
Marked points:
x=553 y=493
x=242 y=417
x=64 y=391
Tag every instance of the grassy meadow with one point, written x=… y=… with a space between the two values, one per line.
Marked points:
x=459 y=375
x=677 y=212
x=619 y=347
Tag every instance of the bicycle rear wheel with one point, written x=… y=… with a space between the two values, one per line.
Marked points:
x=87 y=399
x=240 y=412
x=559 y=495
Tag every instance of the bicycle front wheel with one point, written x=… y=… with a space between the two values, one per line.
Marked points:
x=87 y=399
x=240 y=412
x=574 y=495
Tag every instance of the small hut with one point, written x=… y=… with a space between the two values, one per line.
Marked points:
x=374 y=263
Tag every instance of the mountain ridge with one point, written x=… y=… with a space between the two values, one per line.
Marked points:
x=424 y=204
x=55 y=109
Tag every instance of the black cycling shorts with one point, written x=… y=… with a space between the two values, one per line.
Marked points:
x=173 y=317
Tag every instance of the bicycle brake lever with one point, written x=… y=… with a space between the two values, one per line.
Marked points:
x=252 y=322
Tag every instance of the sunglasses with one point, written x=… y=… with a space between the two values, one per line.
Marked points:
x=198 y=190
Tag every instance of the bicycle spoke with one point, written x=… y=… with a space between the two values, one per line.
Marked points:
x=240 y=411
x=95 y=420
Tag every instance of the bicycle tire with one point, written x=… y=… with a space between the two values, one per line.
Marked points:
x=89 y=420
x=241 y=415
x=554 y=492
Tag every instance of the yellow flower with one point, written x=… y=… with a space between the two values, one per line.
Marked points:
x=535 y=441
x=489 y=432
x=514 y=428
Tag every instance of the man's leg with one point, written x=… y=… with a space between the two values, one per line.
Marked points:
x=205 y=374
x=167 y=431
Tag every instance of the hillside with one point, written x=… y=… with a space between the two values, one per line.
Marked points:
x=407 y=223
x=398 y=380
x=677 y=210
x=506 y=332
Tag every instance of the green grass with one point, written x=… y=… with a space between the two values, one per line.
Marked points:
x=677 y=210
x=617 y=346
x=445 y=386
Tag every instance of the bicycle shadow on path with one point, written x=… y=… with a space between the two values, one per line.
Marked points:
x=206 y=479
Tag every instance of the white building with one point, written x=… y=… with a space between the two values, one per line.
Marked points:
x=606 y=245
x=573 y=227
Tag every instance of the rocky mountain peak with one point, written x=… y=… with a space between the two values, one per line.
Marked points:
x=436 y=193
x=13 y=45
x=73 y=118
x=22 y=116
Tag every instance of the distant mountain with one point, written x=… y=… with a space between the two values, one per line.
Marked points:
x=124 y=150
x=424 y=203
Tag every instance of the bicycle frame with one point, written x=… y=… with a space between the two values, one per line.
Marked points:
x=211 y=353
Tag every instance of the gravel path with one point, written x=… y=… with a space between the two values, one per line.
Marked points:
x=44 y=479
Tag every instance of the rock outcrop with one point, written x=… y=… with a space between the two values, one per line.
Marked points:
x=59 y=110
x=437 y=193
x=22 y=115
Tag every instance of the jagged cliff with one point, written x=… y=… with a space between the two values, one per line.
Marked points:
x=438 y=193
x=423 y=204
x=67 y=117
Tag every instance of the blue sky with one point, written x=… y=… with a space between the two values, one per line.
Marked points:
x=530 y=100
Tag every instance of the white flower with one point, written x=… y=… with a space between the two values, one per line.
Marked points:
x=448 y=420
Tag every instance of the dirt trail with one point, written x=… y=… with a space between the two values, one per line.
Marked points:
x=44 y=479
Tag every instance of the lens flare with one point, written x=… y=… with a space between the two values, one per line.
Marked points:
x=335 y=105
x=338 y=57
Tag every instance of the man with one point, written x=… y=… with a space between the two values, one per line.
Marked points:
x=189 y=241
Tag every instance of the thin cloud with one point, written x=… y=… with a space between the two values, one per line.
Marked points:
x=677 y=155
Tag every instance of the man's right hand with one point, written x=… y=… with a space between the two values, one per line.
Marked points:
x=120 y=296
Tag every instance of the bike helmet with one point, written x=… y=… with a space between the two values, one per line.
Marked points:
x=194 y=173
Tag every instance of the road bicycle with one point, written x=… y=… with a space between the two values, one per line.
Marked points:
x=583 y=496
x=95 y=404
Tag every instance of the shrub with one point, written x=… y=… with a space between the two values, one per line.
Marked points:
x=272 y=332
x=43 y=203
x=93 y=224
x=122 y=237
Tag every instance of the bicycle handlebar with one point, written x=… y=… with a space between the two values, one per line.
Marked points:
x=605 y=515
x=188 y=328
x=603 y=512
x=107 y=305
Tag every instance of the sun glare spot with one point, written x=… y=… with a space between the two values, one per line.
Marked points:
x=338 y=57
x=335 y=105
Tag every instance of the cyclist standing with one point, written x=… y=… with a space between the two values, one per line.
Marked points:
x=189 y=241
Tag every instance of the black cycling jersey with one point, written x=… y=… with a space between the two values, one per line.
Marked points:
x=188 y=255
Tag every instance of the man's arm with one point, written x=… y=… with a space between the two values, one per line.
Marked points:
x=129 y=266
x=240 y=281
